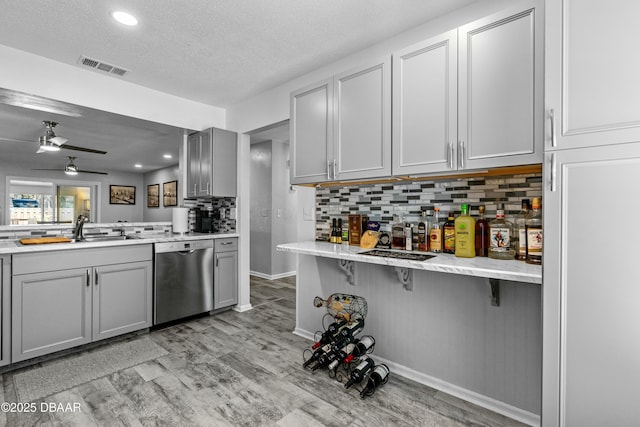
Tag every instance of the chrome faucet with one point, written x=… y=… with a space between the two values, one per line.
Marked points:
x=77 y=232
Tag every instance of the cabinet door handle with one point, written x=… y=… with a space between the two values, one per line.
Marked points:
x=335 y=166
x=553 y=127
x=217 y=259
x=208 y=187
x=552 y=185
x=328 y=169
x=450 y=155
x=461 y=144
x=88 y=277
x=226 y=243
x=195 y=188
x=95 y=274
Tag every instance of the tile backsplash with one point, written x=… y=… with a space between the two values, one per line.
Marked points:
x=223 y=204
x=380 y=202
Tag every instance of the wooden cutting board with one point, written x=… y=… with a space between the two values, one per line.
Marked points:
x=41 y=240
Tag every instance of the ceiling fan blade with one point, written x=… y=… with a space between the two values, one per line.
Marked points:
x=83 y=149
x=99 y=173
x=15 y=140
x=46 y=170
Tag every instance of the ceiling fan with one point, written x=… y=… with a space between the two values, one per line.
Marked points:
x=51 y=142
x=72 y=169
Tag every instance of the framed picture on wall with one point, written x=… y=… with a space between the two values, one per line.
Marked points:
x=170 y=193
x=153 y=196
x=122 y=195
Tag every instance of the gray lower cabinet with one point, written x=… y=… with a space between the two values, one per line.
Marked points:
x=56 y=308
x=5 y=310
x=225 y=273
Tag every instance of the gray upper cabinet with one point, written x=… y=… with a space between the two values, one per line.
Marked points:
x=212 y=163
x=500 y=106
x=425 y=106
x=311 y=133
x=341 y=127
x=592 y=90
x=470 y=98
x=362 y=122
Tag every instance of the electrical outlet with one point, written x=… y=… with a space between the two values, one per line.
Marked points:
x=232 y=213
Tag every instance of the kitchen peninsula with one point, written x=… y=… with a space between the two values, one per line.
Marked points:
x=469 y=327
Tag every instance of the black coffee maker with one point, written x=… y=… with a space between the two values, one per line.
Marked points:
x=205 y=220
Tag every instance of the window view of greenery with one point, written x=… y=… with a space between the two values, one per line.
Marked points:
x=47 y=203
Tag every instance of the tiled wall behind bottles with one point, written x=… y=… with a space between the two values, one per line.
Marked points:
x=380 y=202
x=225 y=224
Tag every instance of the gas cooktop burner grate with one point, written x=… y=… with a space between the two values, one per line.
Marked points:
x=399 y=255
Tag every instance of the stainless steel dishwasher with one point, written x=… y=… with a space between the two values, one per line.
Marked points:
x=183 y=279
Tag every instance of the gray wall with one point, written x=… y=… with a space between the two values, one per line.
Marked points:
x=273 y=210
x=160 y=176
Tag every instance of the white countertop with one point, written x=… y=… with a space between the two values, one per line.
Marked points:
x=13 y=247
x=518 y=271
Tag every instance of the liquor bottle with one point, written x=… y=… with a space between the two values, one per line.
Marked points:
x=500 y=232
x=378 y=377
x=422 y=233
x=449 y=235
x=465 y=230
x=397 y=234
x=334 y=231
x=408 y=237
x=339 y=232
x=521 y=232
x=533 y=225
x=358 y=374
x=345 y=235
x=362 y=347
x=435 y=233
x=482 y=234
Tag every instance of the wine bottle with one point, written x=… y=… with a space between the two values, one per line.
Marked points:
x=334 y=232
x=379 y=376
x=362 y=347
x=358 y=374
x=339 y=232
x=482 y=234
x=350 y=329
x=344 y=353
x=334 y=354
x=316 y=355
x=422 y=233
x=327 y=336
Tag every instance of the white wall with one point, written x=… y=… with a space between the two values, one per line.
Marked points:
x=160 y=176
x=37 y=75
x=283 y=206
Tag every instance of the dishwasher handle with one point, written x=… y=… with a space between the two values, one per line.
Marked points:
x=183 y=253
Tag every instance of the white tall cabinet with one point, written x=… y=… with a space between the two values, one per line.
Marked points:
x=591 y=286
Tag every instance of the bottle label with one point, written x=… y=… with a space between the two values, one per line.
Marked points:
x=449 y=238
x=435 y=240
x=499 y=238
x=534 y=241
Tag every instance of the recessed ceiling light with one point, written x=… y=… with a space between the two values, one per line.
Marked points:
x=167 y=156
x=137 y=165
x=124 y=18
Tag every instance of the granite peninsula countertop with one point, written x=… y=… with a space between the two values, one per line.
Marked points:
x=14 y=247
x=518 y=271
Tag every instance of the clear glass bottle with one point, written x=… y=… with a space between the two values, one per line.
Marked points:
x=423 y=227
x=500 y=232
x=533 y=225
x=465 y=227
x=482 y=234
x=397 y=233
x=520 y=245
x=435 y=233
x=449 y=235
x=408 y=236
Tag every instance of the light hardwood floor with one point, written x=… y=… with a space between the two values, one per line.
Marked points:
x=243 y=369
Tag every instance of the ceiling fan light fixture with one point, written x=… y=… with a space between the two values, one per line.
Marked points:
x=71 y=168
x=47 y=145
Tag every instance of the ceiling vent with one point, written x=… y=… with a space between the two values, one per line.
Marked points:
x=102 y=66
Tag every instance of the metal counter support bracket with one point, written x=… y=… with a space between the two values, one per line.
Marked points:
x=405 y=276
x=349 y=268
x=495 y=292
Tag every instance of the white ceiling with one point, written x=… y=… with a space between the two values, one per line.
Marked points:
x=218 y=52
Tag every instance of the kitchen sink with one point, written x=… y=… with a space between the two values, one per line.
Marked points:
x=106 y=238
x=398 y=255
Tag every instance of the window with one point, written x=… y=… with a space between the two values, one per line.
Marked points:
x=49 y=202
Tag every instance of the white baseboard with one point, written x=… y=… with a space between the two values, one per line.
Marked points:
x=242 y=308
x=272 y=276
x=494 y=405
